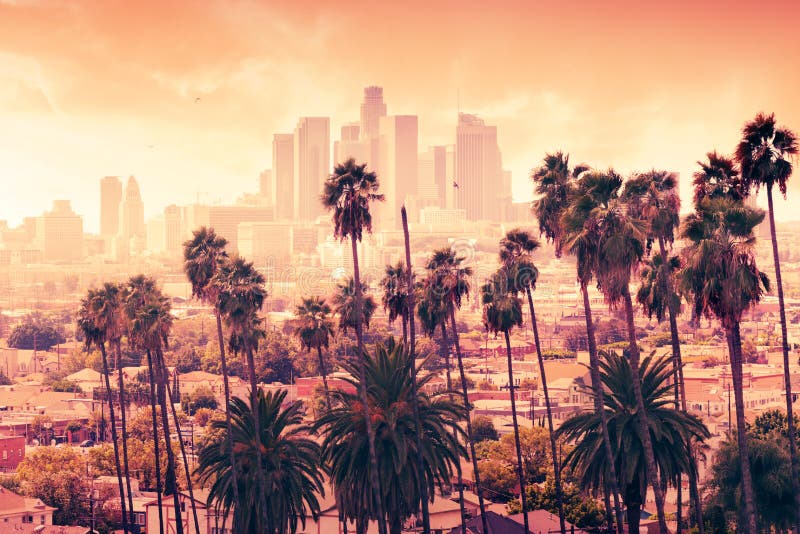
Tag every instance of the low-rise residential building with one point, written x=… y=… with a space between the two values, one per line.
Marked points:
x=23 y=514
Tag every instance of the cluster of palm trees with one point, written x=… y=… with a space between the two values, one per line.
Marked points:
x=388 y=446
x=610 y=226
x=138 y=312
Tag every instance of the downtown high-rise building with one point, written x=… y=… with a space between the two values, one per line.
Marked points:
x=372 y=109
x=110 y=197
x=312 y=165
x=283 y=175
x=478 y=172
x=266 y=187
x=350 y=145
x=433 y=174
x=132 y=232
x=397 y=166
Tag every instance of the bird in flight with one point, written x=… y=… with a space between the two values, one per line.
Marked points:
x=455 y=184
x=196 y=100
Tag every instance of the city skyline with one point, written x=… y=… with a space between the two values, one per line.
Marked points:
x=190 y=119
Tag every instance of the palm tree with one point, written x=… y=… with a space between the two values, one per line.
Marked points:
x=671 y=431
x=445 y=287
x=718 y=177
x=203 y=255
x=721 y=274
x=241 y=296
x=135 y=299
x=150 y=324
x=314 y=332
x=395 y=295
x=553 y=179
x=432 y=314
x=345 y=304
x=348 y=193
x=502 y=310
x=620 y=245
x=765 y=157
x=412 y=346
x=653 y=197
x=555 y=184
x=346 y=445
x=98 y=319
x=290 y=463
x=516 y=251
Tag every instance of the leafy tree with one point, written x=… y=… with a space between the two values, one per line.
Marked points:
x=498 y=479
x=4 y=380
x=580 y=509
x=36 y=332
x=66 y=386
x=483 y=428
x=202 y=397
x=290 y=467
x=770 y=465
x=56 y=475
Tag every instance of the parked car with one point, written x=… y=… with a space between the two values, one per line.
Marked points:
x=87 y=443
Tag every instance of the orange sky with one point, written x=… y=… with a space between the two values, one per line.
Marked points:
x=89 y=89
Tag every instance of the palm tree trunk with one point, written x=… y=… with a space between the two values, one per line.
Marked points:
x=226 y=385
x=261 y=490
x=522 y=493
x=157 y=465
x=680 y=393
x=477 y=475
x=633 y=505
x=553 y=451
x=114 y=438
x=324 y=377
x=735 y=348
x=642 y=421
x=786 y=377
x=185 y=462
x=373 y=457
x=170 y=478
x=123 y=420
x=409 y=315
x=405 y=329
x=446 y=354
x=597 y=387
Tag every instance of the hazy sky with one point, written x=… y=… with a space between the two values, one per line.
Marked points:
x=89 y=89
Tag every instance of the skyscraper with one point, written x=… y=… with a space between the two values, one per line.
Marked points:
x=350 y=145
x=59 y=233
x=266 y=187
x=433 y=173
x=283 y=175
x=132 y=233
x=397 y=170
x=372 y=109
x=477 y=168
x=110 y=197
x=312 y=165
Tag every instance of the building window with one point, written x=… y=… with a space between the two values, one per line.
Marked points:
x=27 y=519
x=42 y=520
x=5 y=454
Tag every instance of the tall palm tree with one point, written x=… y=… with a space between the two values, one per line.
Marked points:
x=516 y=256
x=718 y=177
x=447 y=284
x=314 y=332
x=99 y=316
x=620 y=245
x=290 y=465
x=346 y=448
x=765 y=156
x=653 y=197
x=241 y=296
x=553 y=180
x=395 y=295
x=671 y=431
x=348 y=193
x=502 y=310
x=432 y=314
x=136 y=297
x=722 y=276
x=203 y=254
x=345 y=305
x=151 y=322
x=555 y=183
x=424 y=495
